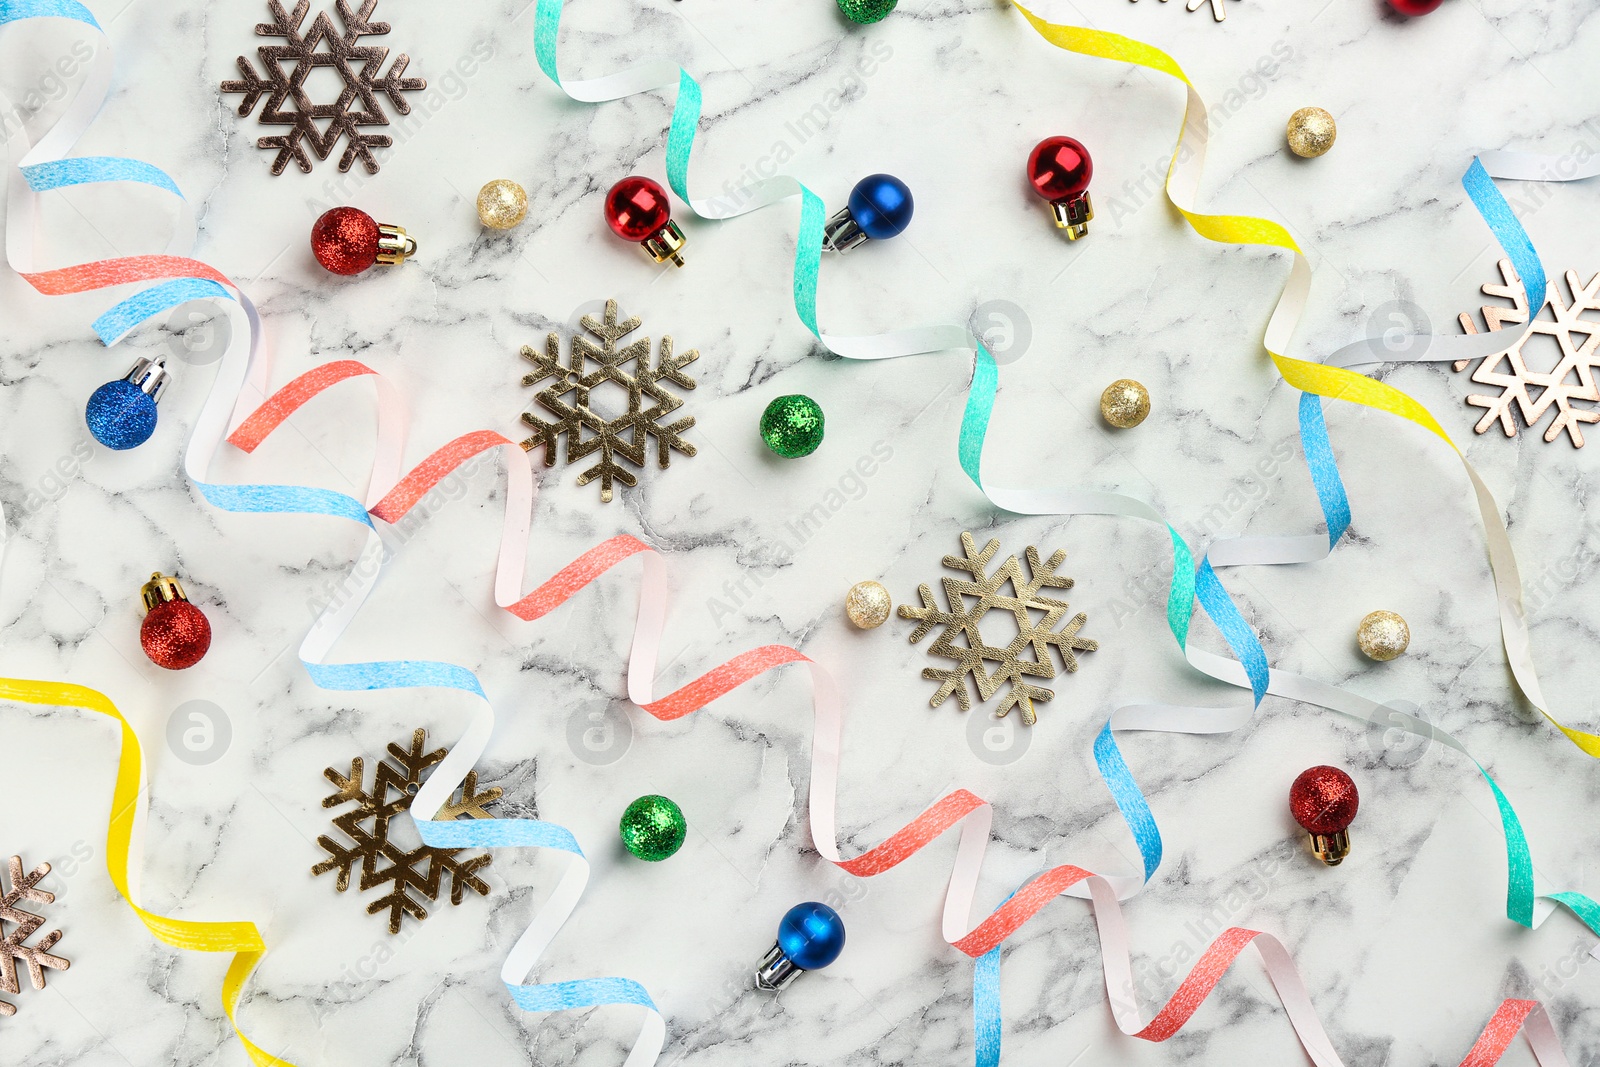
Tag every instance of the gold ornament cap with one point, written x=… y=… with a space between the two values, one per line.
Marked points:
x=1073 y=215
x=665 y=244
x=867 y=605
x=1311 y=132
x=1383 y=635
x=159 y=590
x=394 y=244
x=1125 y=403
x=502 y=204
x=1331 y=848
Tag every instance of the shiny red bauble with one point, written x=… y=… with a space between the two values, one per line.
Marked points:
x=1324 y=800
x=345 y=240
x=175 y=635
x=1059 y=167
x=1415 y=7
x=637 y=209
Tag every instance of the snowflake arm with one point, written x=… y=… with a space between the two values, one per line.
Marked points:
x=13 y=942
x=412 y=876
x=984 y=594
x=625 y=438
x=286 y=66
x=1569 y=387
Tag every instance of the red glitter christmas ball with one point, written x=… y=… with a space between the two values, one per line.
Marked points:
x=637 y=208
x=1414 y=7
x=175 y=635
x=1324 y=800
x=345 y=240
x=1059 y=167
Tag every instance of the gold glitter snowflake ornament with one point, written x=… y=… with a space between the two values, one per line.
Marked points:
x=415 y=874
x=1527 y=389
x=1036 y=618
x=604 y=366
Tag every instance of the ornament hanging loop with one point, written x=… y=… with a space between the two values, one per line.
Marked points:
x=666 y=243
x=1331 y=848
x=394 y=244
x=1073 y=215
x=150 y=376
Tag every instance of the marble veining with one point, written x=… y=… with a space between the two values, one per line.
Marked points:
x=1405 y=947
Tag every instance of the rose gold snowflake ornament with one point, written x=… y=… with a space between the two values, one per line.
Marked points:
x=1527 y=392
x=23 y=925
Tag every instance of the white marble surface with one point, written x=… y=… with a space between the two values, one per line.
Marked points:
x=1405 y=948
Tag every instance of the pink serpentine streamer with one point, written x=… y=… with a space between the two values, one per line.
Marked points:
x=961 y=807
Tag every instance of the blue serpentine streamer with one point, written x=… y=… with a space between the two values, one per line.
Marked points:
x=529 y=833
x=289 y=499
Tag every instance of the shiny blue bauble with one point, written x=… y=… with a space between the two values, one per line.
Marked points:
x=121 y=415
x=811 y=935
x=881 y=205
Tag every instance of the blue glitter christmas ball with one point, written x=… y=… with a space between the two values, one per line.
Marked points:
x=121 y=415
x=881 y=205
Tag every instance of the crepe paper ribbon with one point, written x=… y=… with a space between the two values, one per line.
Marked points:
x=1183 y=183
x=240 y=938
x=240 y=384
x=1312 y=378
x=1318 y=380
x=395 y=503
x=1527 y=1016
x=1518 y=247
x=960 y=807
x=1188 y=584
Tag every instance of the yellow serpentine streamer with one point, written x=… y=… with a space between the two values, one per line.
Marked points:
x=240 y=938
x=1182 y=186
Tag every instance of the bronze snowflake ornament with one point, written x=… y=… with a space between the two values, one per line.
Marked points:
x=1532 y=382
x=605 y=366
x=416 y=874
x=360 y=101
x=17 y=926
x=1036 y=619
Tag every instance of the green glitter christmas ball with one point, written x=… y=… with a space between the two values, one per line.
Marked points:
x=866 y=11
x=653 y=828
x=792 y=426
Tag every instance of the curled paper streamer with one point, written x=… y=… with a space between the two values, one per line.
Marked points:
x=961 y=807
x=240 y=938
x=393 y=503
x=240 y=387
x=252 y=430
x=1182 y=185
x=1316 y=380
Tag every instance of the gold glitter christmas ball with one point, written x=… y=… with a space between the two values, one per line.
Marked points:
x=1311 y=132
x=1383 y=635
x=867 y=604
x=1125 y=403
x=502 y=204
